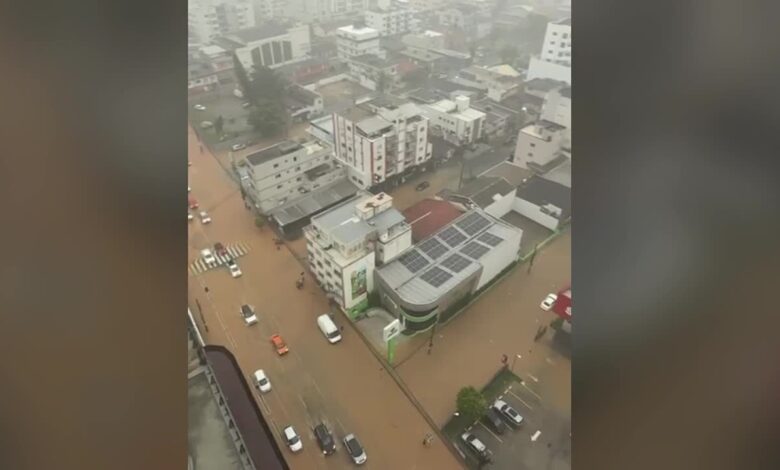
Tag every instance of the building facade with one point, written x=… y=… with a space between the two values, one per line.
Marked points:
x=390 y=20
x=288 y=170
x=539 y=144
x=376 y=143
x=209 y=19
x=374 y=73
x=554 y=62
x=347 y=242
x=456 y=119
x=271 y=45
x=557 y=109
x=353 y=41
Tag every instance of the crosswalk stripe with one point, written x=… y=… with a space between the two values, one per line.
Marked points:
x=199 y=266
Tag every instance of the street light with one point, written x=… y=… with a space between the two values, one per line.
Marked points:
x=513 y=362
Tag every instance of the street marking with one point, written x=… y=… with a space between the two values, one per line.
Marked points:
x=532 y=392
x=491 y=433
x=522 y=401
x=536 y=436
x=265 y=406
x=533 y=378
x=549 y=360
x=235 y=250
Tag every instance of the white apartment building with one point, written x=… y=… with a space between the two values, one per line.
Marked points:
x=455 y=119
x=209 y=19
x=390 y=19
x=270 y=45
x=497 y=85
x=288 y=170
x=276 y=9
x=356 y=40
x=539 y=144
x=557 y=109
x=368 y=70
x=554 y=62
x=347 y=242
x=378 y=143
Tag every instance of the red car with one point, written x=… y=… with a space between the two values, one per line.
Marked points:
x=193 y=203
x=219 y=248
x=278 y=342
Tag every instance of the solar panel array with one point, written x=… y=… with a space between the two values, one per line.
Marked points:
x=452 y=236
x=436 y=276
x=413 y=261
x=433 y=248
x=473 y=223
x=455 y=263
x=474 y=250
x=490 y=239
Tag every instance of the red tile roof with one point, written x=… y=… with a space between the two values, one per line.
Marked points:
x=428 y=216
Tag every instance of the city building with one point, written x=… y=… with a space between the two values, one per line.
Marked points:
x=286 y=171
x=357 y=40
x=374 y=72
x=220 y=60
x=455 y=119
x=209 y=19
x=390 y=19
x=423 y=286
x=347 y=242
x=322 y=129
x=545 y=202
x=292 y=216
x=303 y=104
x=270 y=45
x=428 y=216
x=379 y=141
x=425 y=40
x=497 y=85
x=422 y=6
x=277 y=9
x=201 y=76
x=554 y=62
x=493 y=194
x=539 y=146
x=557 y=109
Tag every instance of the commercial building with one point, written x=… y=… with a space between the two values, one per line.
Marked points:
x=422 y=286
x=492 y=194
x=302 y=103
x=201 y=76
x=554 y=62
x=429 y=216
x=545 y=202
x=209 y=19
x=539 y=146
x=456 y=119
x=377 y=142
x=220 y=60
x=269 y=45
x=286 y=171
x=497 y=85
x=357 y=40
x=390 y=19
x=292 y=216
x=347 y=242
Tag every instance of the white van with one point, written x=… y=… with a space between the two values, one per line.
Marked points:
x=328 y=328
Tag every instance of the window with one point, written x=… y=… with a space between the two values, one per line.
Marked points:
x=295 y=159
x=278 y=175
x=276 y=165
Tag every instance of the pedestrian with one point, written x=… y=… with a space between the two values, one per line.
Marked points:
x=341 y=328
x=206 y=288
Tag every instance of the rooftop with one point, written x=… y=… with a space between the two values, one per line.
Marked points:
x=314 y=202
x=353 y=29
x=425 y=273
x=565 y=21
x=343 y=224
x=281 y=149
x=302 y=95
x=258 y=33
x=512 y=173
x=373 y=61
x=542 y=192
x=482 y=190
x=421 y=54
x=561 y=174
x=428 y=216
x=543 y=84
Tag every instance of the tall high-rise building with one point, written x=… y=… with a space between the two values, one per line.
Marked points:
x=209 y=19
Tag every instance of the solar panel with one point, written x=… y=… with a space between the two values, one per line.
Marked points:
x=452 y=236
x=490 y=239
x=455 y=263
x=436 y=276
x=474 y=250
x=433 y=248
x=473 y=223
x=413 y=261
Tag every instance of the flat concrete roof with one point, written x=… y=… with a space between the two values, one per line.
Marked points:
x=314 y=202
x=208 y=437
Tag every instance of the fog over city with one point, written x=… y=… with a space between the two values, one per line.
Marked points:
x=379 y=208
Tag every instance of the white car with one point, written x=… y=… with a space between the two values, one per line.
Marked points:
x=190 y=216
x=508 y=413
x=205 y=218
x=248 y=313
x=189 y=189
x=355 y=450
x=474 y=444
x=261 y=381
x=208 y=257
x=237 y=147
x=293 y=439
x=199 y=107
x=548 y=302
x=235 y=271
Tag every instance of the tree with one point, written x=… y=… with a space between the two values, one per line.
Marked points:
x=508 y=53
x=260 y=221
x=219 y=124
x=266 y=84
x=268 y=118
x=471 y=403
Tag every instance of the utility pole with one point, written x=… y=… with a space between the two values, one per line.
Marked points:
x=430 y=340
x=531 y=261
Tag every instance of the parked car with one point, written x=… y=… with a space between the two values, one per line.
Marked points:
x=293 y=439
x=249 y=314
x=548 y=302
x=205 y=218
x=279 y=344
x=354 y=449
x=422 y=186
x=494 y=421
x=206 y=124
x=235 y=271
x=475 y=445
x=199 y=107
x=190 y=216
x=325 y=439
x=261 y=381
x=246 y=104
x=237 y=147
x=508 y=413
x=189 y=189
x=208 y=257
x=192 y=203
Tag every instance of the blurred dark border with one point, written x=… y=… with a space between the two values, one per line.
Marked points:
x=676 y=259
x=93 y=282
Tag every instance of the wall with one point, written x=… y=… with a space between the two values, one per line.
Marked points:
x=364 y=265
x=502 y=206
x=541 y=152
x=388 y=251
x=533 y=212
x=538 y=68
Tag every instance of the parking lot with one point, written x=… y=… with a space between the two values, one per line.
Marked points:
x=541 y=441
x=221 y=102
